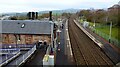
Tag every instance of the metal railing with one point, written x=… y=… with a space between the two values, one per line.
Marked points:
x=113 y=40
x=8 y=55
x=27 y=55
x=24 y=57
x=18 y=45
x=48 y=50
x=105 y=36
x=9 y=51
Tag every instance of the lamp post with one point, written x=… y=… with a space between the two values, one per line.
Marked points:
x=110 y=32
x=94 y=19
x=94 y=23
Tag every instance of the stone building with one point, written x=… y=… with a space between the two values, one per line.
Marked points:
x=25 y=32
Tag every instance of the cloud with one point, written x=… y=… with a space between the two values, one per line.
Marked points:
x=40 y=5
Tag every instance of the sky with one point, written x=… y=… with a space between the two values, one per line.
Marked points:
x=42 y=5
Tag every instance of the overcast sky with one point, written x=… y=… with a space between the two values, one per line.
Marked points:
x=41 y=5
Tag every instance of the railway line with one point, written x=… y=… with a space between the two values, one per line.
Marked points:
x=85 y=51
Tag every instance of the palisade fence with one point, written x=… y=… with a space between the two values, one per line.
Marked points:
x=105 y=36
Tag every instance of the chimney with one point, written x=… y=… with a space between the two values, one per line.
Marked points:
x=29 y=15
x=33 y=15
x=36 y=17
x=50 y=14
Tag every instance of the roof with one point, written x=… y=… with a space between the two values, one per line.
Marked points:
x=26 y=27
x=116 y=6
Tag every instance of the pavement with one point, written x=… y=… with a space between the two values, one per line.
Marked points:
x=61 y=57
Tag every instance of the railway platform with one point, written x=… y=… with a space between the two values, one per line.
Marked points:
x=61 y=57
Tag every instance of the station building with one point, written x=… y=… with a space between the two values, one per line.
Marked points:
x=25 y=32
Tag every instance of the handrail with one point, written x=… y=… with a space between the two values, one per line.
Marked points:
x=9 y=59
x=23 y=58
x=48 y=50
x=27 y=55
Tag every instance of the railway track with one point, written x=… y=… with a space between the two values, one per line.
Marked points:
x=85 y=51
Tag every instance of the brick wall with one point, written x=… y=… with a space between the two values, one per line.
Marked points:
x=5 y=39
x=11 y=39
x=24 y=39
x=42 y=38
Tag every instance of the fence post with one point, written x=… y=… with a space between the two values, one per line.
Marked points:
x=6 y=59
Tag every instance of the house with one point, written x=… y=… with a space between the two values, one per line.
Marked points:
x=114 y=7
x=25 y=32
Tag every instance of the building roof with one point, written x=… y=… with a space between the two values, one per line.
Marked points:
x=116 y=6
x=26 y=27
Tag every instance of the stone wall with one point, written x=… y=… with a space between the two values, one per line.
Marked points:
x=24 y=39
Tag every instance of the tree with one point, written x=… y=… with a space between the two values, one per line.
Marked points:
x=67 y=15
x=86 y=14
x=45 y=15
x=114 y=16
x=22 y=17
x=13 y=18
x=100 y=16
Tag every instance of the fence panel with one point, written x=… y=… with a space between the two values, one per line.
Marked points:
x=105 y=36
